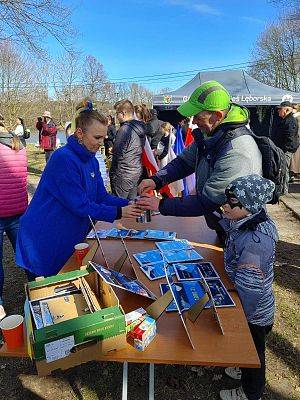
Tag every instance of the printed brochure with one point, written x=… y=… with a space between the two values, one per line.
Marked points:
x=184 y=255
x=186 y=293
x=192 y=271
x=121 y=281
x=155 y=270
x=181 y=244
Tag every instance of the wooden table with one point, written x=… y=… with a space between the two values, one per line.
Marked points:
x=171 y=345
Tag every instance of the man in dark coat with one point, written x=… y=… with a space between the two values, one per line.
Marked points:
x=286 y=134
x=126 y=166
x=153 y=130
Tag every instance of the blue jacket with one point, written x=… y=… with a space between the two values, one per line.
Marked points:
x=71 y=188
x=249 y=256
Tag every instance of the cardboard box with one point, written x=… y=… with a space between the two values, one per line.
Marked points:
x=134 y=318
x=77 y=334
x=144 y=333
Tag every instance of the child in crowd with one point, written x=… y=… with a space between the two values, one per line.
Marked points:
x=249 y=256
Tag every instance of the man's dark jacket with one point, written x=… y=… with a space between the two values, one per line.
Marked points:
x=153 y=130
x=286 y=134
x=126 y=166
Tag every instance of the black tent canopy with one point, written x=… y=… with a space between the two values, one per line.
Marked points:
x=244 y=90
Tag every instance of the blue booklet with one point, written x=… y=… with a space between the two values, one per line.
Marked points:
x=102 y=234
x=219 y=293
x=186 y=294
x=184 y=255
x=148 y=257
x=116 y=233
x=174 y=245
x=156 y=270
x=121 y=281
x=160 y=235
x=192 y=271
x=135 y=234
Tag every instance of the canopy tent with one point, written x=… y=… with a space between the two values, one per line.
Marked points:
x=244 y=90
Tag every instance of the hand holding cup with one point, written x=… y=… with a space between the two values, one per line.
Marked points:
x=148 y=202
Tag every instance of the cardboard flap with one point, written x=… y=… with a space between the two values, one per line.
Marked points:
x=158 y=307
x=91 y=253
x=196 y=309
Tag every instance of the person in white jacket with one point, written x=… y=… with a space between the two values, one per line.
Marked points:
x=20 y=127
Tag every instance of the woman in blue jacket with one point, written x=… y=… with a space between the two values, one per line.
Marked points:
x=70 y=190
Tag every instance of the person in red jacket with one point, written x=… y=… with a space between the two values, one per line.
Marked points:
x=13 y=192
x=47 y=132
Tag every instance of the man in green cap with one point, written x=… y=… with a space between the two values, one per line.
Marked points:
x=222 y=150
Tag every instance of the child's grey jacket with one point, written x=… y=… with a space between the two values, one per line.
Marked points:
x=249 y=256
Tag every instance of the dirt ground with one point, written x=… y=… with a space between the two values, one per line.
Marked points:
x=96 y=380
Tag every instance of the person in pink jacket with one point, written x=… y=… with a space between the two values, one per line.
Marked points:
x=13 y=192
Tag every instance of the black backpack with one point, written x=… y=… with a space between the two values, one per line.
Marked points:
x=274 y=165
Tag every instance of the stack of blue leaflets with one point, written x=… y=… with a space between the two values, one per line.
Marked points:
x=148 y=234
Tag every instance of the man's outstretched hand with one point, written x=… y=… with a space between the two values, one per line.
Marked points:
x=148 y=202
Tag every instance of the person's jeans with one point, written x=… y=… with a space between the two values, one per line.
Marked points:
x=10 y=226
x=288 y=157
x=253 y=379
x=48 y=154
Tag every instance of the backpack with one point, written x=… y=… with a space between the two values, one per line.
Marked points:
x=274 y=165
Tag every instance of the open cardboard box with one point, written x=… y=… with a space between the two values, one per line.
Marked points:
x=77 y=334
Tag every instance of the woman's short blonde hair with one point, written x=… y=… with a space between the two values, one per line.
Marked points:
x=166 y=126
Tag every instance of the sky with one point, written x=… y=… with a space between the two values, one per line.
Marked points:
x=137 y=38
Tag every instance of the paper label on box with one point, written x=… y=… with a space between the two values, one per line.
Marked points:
x=59 y=348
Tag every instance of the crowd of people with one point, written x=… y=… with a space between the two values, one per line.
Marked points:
x=230 y=192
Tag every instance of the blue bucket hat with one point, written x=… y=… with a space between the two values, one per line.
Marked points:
x=252 y=191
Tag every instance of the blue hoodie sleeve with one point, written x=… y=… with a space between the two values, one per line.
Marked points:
x=65 y=185
x=187 y=206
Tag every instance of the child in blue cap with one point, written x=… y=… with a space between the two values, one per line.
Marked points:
x=249 y=256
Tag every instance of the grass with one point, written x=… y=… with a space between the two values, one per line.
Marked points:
x=103 y=381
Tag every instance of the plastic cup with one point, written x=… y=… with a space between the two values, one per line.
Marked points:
x=12 y=331
x=81 y=250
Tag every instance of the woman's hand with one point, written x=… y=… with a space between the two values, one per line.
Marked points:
x=148 y=202
x=131 y=211
x=146 y=185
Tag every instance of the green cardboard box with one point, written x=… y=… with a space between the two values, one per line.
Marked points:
x=102 y=331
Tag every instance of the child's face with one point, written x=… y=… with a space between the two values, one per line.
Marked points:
x=233 y=210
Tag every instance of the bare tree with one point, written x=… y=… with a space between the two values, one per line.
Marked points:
x=94 y=79
x=138 y=94
x=20 y=92
x=66 y=77
x=276 y=56
x=28 y=21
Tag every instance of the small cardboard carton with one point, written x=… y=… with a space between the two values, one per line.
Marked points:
x=79 y=319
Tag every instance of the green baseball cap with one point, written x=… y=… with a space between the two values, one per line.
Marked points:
x=211 y=96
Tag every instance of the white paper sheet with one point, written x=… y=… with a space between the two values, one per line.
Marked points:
x=59 y=348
